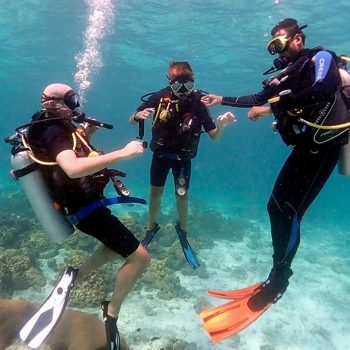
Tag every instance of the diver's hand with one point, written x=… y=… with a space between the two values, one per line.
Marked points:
x=88 y=128
x=225 y=119
x=211 y=100
x=132 y=149
x=146 y=113
x=257 y=111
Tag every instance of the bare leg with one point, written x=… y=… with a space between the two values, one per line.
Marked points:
x=155 y=197
x=126 y=278
x=182 y=210
x=101 y=256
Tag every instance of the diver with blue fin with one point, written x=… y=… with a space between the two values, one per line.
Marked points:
x=64 y=178
x=310 y=107
x=178 y=117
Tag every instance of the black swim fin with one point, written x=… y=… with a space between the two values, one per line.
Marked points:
x=186 y=248
x=36 y=330
x=112 y=333
x=150 y=234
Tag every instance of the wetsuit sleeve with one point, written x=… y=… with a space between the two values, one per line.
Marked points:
x=207 y=120
x=247 y=101
x=324 y=80
x=56 y=139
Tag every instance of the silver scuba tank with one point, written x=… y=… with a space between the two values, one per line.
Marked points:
x=52 y=220
x=344 y=160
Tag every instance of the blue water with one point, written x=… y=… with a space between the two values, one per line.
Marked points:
x=225 y=42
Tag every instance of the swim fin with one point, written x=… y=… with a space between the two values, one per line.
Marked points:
x=228 y=319
x=235 y=294
x=36 y=330
x=186 y=248
x=150 y=234
x=112 y=333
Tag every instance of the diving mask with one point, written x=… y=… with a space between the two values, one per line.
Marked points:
x=182 y=84
x=70 y=99
x=278 y=44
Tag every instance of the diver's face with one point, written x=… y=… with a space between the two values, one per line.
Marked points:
x=295 y=45
x=182 y=95
x=182 y=86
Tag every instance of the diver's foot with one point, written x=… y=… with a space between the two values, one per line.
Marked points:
x=179 y=229
x=271 y=290
x=150 y=234
x=112 y=333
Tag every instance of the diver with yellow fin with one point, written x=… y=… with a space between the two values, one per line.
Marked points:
x=311 y=116
x=64 y=178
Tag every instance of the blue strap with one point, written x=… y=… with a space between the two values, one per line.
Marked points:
x=168 y=156
x=74 y=219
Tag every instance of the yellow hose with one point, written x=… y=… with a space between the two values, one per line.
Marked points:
x=36 y=160
x=313 y=125
x=345 y=58
x=324 y=127
x=158 y=110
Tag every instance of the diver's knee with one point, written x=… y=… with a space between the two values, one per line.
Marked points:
x=140 y=257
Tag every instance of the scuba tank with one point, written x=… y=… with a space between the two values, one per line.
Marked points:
x=344 y=159
x=25 y=171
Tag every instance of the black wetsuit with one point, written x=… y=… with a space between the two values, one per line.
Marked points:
x=314 y=81
x=176 y=131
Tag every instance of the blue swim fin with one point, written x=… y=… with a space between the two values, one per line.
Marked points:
x=186 y=248
x=150 y=234
x=37 y=329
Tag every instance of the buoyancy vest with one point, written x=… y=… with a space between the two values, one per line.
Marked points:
x=68 y=192
x=330 y=110
x=177 y=125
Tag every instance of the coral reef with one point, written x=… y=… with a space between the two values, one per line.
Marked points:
x=161 y=278
x=95 y=288
x=81 y=241
x=19 y=270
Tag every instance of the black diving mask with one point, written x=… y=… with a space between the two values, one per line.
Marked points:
x=182 y=84
x=70 y=99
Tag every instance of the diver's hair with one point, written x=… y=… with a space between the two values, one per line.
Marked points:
x=291 y=26
x=177 y=69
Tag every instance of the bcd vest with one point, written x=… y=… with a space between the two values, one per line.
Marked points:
x=331 y=110
x=68 y=192
x=177 y=126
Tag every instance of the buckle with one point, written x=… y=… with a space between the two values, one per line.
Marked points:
x=73 y=219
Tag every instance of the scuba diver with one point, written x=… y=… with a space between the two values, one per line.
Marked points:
x=177 y=116
x=312 y=117
x=76 y=175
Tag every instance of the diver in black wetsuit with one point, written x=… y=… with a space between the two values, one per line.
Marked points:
x=178 y=118
x=308 y=88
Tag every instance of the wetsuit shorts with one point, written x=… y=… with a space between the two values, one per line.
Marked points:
x=107 y=228
x=162 y=164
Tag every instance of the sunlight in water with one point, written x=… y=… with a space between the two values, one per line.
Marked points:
x=89 y=60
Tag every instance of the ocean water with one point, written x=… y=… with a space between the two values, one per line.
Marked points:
x=113 y=52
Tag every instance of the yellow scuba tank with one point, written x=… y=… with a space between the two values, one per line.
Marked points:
x=51 y=217
x=344 y=160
